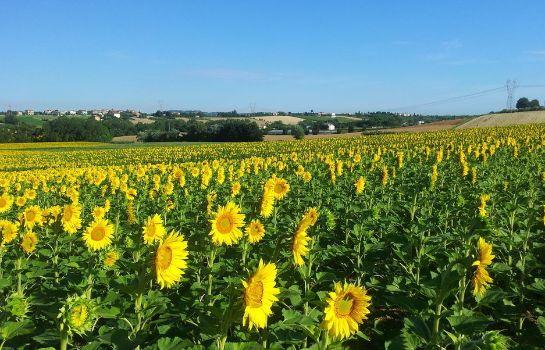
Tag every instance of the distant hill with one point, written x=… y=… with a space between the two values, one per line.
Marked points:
x=505 y=119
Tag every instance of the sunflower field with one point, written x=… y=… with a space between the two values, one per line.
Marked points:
x=401 y=241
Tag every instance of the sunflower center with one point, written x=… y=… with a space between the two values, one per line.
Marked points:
x=79 y=315
x=164 y=257
x=253 y=296
x=30 y=216
x=98 y=233
x=343 y=307
x=68 y=214
x=279 y=188
x=224 y=224
x=3 y=202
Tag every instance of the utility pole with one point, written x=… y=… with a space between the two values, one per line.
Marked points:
x=511 y=86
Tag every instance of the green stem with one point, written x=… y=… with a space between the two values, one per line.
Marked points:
x=64 y=340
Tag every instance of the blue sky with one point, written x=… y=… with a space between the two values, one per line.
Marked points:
x=276 y=55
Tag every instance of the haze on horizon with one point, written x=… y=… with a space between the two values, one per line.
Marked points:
x=340 y=56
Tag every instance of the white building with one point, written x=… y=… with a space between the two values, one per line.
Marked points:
x=29 y=112
x=330 y=127
x=333 y=115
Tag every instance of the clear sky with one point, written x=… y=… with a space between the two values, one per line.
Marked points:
x=277 y=55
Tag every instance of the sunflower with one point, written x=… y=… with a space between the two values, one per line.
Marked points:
x=154 y=229
x=311 y=217
x=99 y=212
x=360 y=185
x=267 y=203
x=226 y=224
x=20 y=201
x=8 y=231
x=170 y=260
x=71 y=218
x=78 y=315
x=347 y=307
x=255 y=231
x=110 y=259
x=299 y=246
x=259 y=295
x=279 y=186
x=6 y=201
x=29 y=242
x=99 y=234
x=481 y=278
x=235 y=189
x=32 y=216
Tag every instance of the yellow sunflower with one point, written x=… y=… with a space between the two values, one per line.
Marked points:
x=259 y=295
x=235 y=189
x=110 y=259
x=481 y=278
x=171 y=260
x=99 y=212
x=347 y=308
x=6 y=201
x=8 y=231
x=311 y=217
x=226 y=225
x=279 y=186
x=71 y=218
x=299 y=246
x=255 y=231
x=20 y=201
x=154 y=229
x=99 y=234
x=32 y=216
x=267 y=203
x=360 y=185
x=29 y=242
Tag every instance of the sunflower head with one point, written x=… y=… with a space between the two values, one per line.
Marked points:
x=8 y=231
x=29 y=242
x=32 y=216
x=111 y=258
x=259 y=296
x=279 y=186
x=71 y=218
x=99 y=234
x=226 y=225
x=255 y=231
x=153 y=229
x=78 y=315
x=481 y=278
x=6 y=201
x=171 y=260
x=347 y=307
x=17 y=305
x=299 y=246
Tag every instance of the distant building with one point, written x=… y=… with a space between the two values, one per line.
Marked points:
x=330 y=127
x=18 y=113
x=333 y=115
x=70 y=113
x=29 y=112
x=420 y=122
x=275 y=132
x=81 y=112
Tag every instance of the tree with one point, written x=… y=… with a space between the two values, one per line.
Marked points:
x=534 y=103
x=298 y=132
x=522 y=103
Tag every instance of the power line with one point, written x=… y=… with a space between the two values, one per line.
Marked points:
x=450 y=99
